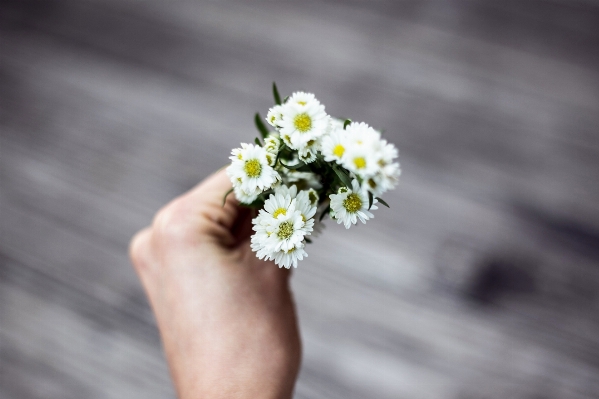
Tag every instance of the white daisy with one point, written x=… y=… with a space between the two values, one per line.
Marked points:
x=287 y=231
x=272 y=144
x=287 y=190
x=277 y=204
x=264 y=227
x=260 y=250
x=388 y=172
x=303 y=119
x=274 y=116
x=334 y=145
x=359 y=133
x=250 y=170
x=313 y=197
x=349 y=205
x=291 y=257
x=244 y=196
x=308 y=153
x=285 y=138
x=388 y=153
x=262 y=232
x=280 y=226
x=302 y=98
x=281 y=202
x=363 y=149
x=306 y=202
x=361 y=160
x=384 y=180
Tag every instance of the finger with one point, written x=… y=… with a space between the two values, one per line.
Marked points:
x=210 y=195
x=213 y=188
x=140 y=250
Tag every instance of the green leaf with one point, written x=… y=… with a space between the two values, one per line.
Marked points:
x=285 y=99
x=309 y=241
x=260 y=125
x=325 y=212
x=275 y=93
x=294 y=167
x=370 y=200
x=347 y=122
x=342 y=176
x=383 y=202
x=226 y=195
x=257 y=141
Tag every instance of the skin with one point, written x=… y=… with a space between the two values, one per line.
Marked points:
x=227 y=319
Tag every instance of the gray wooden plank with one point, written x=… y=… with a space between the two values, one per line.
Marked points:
x=481 y=282
x=57 y=343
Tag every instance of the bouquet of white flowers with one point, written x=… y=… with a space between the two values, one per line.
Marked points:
x=308 y=165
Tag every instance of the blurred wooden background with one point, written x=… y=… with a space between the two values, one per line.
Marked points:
x=480 y=282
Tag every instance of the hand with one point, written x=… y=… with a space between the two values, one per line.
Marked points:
x=227 y=319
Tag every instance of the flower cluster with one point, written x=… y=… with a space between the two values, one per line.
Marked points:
x=308 y=165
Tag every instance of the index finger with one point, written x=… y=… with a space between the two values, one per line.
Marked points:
x=211 y=193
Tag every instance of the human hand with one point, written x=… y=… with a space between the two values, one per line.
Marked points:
x=227 y=319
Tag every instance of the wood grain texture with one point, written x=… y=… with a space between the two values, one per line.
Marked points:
x=480 y=282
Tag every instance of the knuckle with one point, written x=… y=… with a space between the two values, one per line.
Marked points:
x=171 y=222
x=138 y=248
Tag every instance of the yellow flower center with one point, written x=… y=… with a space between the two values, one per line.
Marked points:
x=303 y=122
x=285 y=230
x=280 y=211
x=239 y=156
x=352 y=203
x=339 y=150
x=252 y=168
x=360 y=162
x=301 y=102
